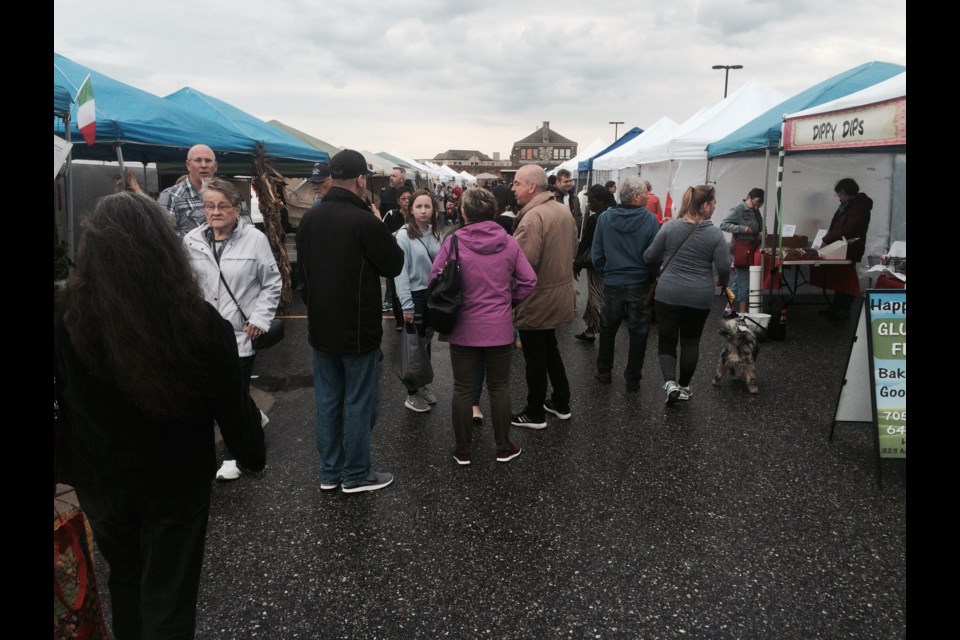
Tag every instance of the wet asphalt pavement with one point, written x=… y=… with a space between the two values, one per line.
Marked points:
x=728 y=516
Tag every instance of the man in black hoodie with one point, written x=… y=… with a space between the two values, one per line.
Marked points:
x=344 y=249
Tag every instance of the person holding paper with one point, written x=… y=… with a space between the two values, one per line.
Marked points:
x=850 y=222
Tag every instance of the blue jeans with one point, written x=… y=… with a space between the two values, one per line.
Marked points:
x=347 y=391
x=624 y=303
x=740 y=284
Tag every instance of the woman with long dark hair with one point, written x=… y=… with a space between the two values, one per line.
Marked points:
x=143 y=368
x=692 y=248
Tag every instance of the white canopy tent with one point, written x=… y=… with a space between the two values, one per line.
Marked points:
x=681 y=161
x=625 y=160
x=571 y=165
x=467 y=178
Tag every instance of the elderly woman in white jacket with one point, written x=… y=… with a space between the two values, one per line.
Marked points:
x=227 y=252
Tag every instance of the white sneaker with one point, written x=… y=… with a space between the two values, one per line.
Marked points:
x=416 y=403
x=427 y=394
x=685 y=393
x=263 y=419
x=672 y=391
x=228 y=471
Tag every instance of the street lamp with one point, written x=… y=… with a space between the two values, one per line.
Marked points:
x=615 y=123
x=726 y=76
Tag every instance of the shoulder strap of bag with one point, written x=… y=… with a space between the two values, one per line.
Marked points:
x=664 y=265
x=243 y=316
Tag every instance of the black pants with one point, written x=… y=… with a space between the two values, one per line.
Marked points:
x=154 y=546
x=543 y=360
x=253 y=411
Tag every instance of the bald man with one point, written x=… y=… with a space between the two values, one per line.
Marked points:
x=183 y=200
x=547 y=234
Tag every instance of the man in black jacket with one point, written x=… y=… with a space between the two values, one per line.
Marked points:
x=344 y=249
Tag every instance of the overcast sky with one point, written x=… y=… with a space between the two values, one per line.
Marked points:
x=423 y=76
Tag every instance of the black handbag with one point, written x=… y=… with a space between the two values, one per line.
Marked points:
x=444 y=296
x=272 y=336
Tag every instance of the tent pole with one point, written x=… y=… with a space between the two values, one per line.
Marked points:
x=69 y=197
x=123 y=176
x=766 y=184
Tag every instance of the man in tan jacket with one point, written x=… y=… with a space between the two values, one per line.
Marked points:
x=547 y=234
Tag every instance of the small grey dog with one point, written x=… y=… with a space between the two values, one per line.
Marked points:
x=739 y=355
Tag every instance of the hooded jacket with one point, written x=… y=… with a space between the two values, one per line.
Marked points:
x=622 y=235
x=489 y=260
x=851 y=220
x=343 y=250
x=547 y=234
x=250 y=269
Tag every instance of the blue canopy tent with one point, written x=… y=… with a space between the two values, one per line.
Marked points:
x=747 y=157
x=288 y=155
x=763 y=132
x=61 y=99
x=587 y=165
x=139 y=125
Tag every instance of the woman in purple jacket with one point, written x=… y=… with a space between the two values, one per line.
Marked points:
x=490 y=262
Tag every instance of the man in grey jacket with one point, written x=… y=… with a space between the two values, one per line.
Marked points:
x=623 y=234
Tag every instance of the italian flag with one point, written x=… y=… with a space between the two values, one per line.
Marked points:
x=86 y=112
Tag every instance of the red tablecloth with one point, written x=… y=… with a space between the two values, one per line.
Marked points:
x=840 y=277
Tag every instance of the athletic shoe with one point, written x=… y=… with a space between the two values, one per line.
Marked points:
x=685 y=393
x=427 y=394
x=263 y=419
x=602 y=376
x=372 y=482
x=416 y=403
x=583 y=337
x=563 y=415
x=461 y=457
x=329 y=486
x=228 y=471
x=633 y=385
x=523 y=420
x=672 y=390
x=506 y=455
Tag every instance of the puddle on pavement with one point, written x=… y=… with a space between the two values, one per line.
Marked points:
x=282 y=383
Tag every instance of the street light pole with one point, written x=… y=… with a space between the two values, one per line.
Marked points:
x=726 y=75
x=615 y=123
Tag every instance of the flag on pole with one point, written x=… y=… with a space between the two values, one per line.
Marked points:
x=86 y=112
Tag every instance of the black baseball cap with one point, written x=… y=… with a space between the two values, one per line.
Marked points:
x=348 y=164
x=321 y=172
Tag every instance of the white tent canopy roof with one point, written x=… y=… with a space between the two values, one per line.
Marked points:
x=691 y=138
x=895 y=87
x=628 y=154
x=571 y=165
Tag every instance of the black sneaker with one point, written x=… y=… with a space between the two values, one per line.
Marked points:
x=462 y=457
x=372 y=482
x=523 y=420
x=633 y=385
x=549 y=408
x=602 y=376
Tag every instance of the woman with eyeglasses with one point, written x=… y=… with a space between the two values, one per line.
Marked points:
x=745 y=224
x=238 y=275
x=690 y=248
